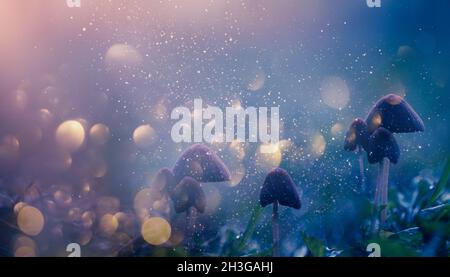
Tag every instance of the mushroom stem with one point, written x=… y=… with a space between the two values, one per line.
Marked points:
x=275 y=231
x=361 y=169
x=384 y=188
x=191 y=216
x=378 y=187
x=376 y=201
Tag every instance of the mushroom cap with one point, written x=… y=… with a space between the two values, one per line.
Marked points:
x=382 y=144
x=202 y=164
x=393 y=113
x=165 y=179
x=188 y=193
x=278 y=186
x=357 y=135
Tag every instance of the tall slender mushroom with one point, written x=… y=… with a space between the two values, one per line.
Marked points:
x=395 y=115
x=278 y=188
x=383 y=149
x=188 y=196
x=357 y=138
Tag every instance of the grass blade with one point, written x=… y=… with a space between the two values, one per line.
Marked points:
x=440 y=187
x=250 y=228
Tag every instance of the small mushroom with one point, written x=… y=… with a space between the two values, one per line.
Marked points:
x=357 y=138
x=165 y=180
x=382 y=144
x=393 y=113
x=383 y=149
x=189 y=197
x=278 y=188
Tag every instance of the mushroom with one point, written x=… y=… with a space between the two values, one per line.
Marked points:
x=165 y=180
x=390 y=114
x=357 y=138
x=197 y=164
x=202 y=164
x=393 y=113
x=189 y=197
x=278 y=188
x=383 y=149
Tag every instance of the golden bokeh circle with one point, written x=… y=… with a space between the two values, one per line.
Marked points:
x=70 y=135
x=108 y=224
x=99 y=134
x=144 y=136
x=318 y=145
x=268 y=156
x=30 y=220
x=156 y=230
x=25 y=251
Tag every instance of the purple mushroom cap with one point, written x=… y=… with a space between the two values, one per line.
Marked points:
x=165 y=179
x=202 y=164
x=188 y=193
x=278 y=186
x=393 y=113
x=357 y=135
x=382 y=144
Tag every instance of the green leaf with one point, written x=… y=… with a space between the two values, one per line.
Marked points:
x=434 y=213
x=441 y=184
x=229 y=243
x=411 y=236
x=385 y=234
x=395 y=247
x=315 y=245
x=241 y=243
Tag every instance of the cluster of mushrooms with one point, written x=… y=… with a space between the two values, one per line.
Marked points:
x=199 y=164
x=390 y=114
